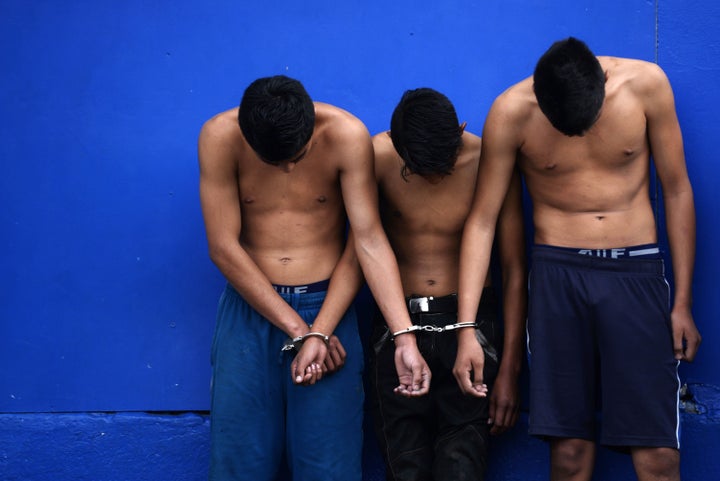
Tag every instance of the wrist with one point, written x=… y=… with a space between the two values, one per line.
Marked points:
x=466 y=335
x=404 y=337
x=296 y=343
x=298 y=329
x=318 y=335
x=509 y=367
x=682 y=304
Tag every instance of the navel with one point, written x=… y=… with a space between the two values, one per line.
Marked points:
x=600 y=217
x=431 y=282
x=285 y=260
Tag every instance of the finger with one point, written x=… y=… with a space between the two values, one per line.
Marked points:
x=499 y=421
x=310 y=375
x=329 y=363
x=297 y=373
x=678 y=345
x=464 y=380
x=480 y=390
x=691 y=348
x=404 y=390
x=425 y=386
x=337 y=359
x=307 y=376
x=492 y=410
x=341 y=354
x=319 y=370
x=473 y=383
x=421 y=380
x=479 y=386
x=477 y=374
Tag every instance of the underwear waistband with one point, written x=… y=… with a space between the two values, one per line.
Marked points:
x=320 y=286
x=652 y=264
x=644 y=251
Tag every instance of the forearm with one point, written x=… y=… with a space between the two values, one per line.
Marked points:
x=345 y=282
x=680 y=218
x=514 y=318
x=253 y=285
x=383 y=277
x=474 y=261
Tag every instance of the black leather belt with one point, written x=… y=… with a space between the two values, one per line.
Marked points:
x=432 y=304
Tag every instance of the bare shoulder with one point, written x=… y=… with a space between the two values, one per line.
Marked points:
x=643 y=77
x=469 y=154
x=221 y=142
x=220 y=126
x=471 y=143
x=338 y=124
x=386 y=157
x=514 y=105
x=342 y=138
x=511 y=115
x=382 y=142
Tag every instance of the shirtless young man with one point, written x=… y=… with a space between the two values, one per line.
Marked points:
x=582 y=131
x=277 y=177
x=426 y=168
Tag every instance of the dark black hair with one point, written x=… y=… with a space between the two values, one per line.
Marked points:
x=569 y=85
x=425 y=132
x=277 y=117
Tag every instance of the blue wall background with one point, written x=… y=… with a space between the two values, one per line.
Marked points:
x=107 y=296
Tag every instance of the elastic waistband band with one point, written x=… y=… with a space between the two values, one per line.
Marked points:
x=647 y=264
x=647 y=251
x=320 y=286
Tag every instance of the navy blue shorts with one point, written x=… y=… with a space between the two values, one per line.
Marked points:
x=600 y=338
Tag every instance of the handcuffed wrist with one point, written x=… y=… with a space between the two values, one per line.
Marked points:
x=325 y=339
x=407 y=330
x=295 y=343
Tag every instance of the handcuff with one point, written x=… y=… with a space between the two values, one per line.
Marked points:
x=448 y=327
x=487 y=347
x=295 y=343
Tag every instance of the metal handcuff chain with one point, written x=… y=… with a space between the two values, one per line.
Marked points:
x=428 y=328
x=487 y=347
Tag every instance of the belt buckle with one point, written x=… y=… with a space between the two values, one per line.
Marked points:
x=418 y=304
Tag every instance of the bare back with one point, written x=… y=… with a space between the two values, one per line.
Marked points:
x=590 y=191
x=292 y=215
x=424 y=218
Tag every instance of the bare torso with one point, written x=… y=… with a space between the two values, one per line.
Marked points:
x=590 y=191
x=293 y=217
x=423 y=218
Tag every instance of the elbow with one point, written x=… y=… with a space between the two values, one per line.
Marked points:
x=218 y=253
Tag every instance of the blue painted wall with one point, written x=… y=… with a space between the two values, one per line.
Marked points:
x=107 y=295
